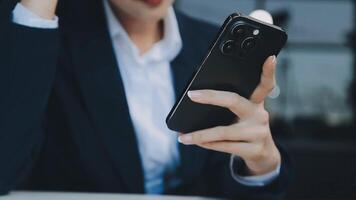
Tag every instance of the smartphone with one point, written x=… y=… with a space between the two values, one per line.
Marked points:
x=233 y=63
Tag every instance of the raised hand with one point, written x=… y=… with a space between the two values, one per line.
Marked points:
x=250 y=136
x=43 y=8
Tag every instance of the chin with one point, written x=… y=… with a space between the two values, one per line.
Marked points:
x=142 y=11
x=153 y=15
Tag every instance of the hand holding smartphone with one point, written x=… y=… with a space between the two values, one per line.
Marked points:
x=234 y=64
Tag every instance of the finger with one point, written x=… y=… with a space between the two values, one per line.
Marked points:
x=237 y=148
x=240 y=132
x=232 y=101
x=268 y=81
x=262 y=15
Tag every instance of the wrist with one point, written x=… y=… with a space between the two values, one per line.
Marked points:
x=266 y=163
x=44 y=9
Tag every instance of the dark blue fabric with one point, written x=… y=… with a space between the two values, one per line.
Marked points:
x=64 y=120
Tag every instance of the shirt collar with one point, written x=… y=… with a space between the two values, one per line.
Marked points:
x=166 y=49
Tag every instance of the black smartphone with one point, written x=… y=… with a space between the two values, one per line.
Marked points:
x=233 y=63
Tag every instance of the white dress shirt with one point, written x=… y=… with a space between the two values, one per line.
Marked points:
x=150 y=95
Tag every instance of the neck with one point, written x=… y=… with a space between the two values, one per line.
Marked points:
x=144 y=34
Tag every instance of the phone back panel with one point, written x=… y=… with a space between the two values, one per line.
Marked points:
x=236 y=71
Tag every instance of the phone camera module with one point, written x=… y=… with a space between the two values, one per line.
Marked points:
x=228 y=47
x=238 y=31
x=249 y=44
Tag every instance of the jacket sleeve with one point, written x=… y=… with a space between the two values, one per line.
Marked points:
x=28 y=60
x=221 y=183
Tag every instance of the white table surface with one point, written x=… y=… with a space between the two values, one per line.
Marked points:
x=88 y=196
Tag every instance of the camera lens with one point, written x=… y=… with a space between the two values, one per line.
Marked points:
x=238 y=31
x=228 y=47
x=249 y=44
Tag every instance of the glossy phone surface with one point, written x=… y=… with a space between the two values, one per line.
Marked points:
x=233 y=63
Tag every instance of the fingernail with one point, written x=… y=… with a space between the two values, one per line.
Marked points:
x=274 y=59
x=185 y=139
x=194 y=94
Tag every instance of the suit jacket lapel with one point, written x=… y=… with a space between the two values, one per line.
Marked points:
x=103 y=93
x=183 y=68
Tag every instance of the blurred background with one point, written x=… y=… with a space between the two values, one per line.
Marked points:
x=313 y=115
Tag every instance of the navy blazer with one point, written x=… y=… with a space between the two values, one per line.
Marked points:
x=64 y=120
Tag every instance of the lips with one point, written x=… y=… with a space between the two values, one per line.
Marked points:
x=153 y=3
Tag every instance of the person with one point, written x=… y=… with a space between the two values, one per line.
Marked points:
x=84 y=96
